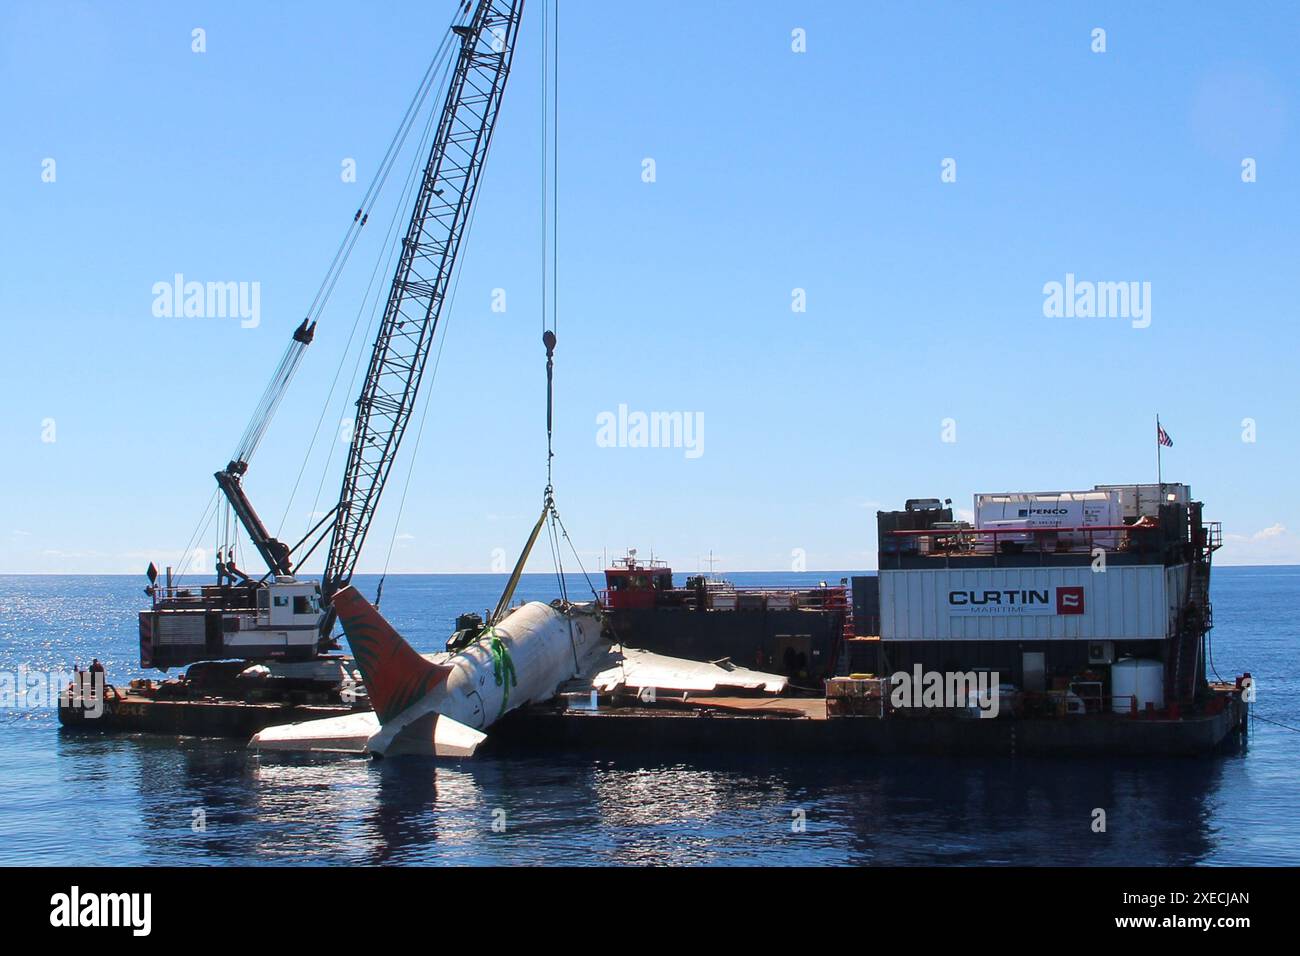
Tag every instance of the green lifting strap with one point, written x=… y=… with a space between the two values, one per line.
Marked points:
x=503 y=670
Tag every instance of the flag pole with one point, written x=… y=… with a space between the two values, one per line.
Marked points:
x=1159 y=474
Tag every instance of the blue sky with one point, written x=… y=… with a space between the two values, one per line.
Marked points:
x=775 y=171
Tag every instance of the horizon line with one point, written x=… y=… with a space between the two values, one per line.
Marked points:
x=395 y=574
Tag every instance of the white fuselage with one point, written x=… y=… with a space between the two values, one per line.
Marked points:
x=546 y=648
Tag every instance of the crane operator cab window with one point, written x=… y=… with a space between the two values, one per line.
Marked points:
x=292 y=604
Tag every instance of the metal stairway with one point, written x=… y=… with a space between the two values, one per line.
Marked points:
x=1185 y=668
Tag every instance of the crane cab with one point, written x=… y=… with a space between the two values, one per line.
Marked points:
x=275 y=620
x=288 y=603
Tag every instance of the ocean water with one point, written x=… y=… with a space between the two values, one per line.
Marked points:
x=83 y=799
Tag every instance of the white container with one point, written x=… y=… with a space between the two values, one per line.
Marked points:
x=1052 y=509
x=1125 y=602
x=1136 y=677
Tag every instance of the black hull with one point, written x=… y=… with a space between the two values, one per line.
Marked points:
x=629 y=731
x=191 y=718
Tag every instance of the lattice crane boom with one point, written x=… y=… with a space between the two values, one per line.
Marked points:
x=423 y=276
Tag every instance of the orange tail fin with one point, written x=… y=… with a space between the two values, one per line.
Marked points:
x=396 y=676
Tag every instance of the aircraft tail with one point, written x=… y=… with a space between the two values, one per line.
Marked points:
x=396 y=676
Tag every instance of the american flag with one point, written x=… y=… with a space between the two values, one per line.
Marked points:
x=1162 y=436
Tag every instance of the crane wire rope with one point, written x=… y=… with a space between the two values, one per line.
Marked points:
x=383 y=263
x=276 y=389
x=550 y=91
x=268 y=404
x=387 y=262
x=424 y=412
x=200 y=531
x=389 y=254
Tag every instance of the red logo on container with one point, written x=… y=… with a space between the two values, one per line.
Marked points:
x=1069 y=600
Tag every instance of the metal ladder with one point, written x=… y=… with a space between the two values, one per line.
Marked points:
x=1195 y=619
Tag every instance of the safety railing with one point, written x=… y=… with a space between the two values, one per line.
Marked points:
x=948 y=542
x=231 y=597
x=831 y=597
x=1213 y=535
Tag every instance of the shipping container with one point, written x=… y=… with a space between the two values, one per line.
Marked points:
x=1041 y=510
x=1126 y=602
x=1137 y=501
x=1050 y=509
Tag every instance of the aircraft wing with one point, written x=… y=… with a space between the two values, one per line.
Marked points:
x=630 y=667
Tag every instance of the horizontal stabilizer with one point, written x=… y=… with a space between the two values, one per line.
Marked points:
x=432 y=735
x=346 y=734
